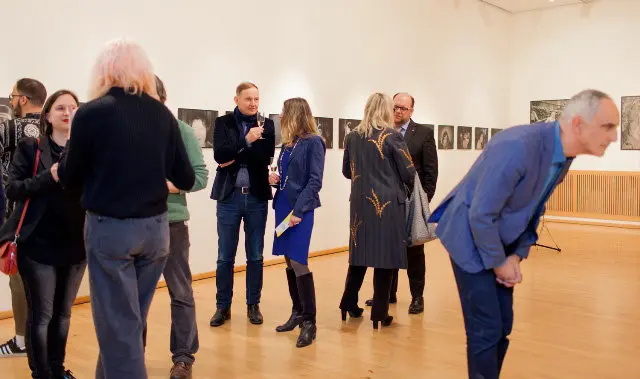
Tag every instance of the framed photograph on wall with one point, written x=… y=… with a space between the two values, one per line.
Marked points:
x=446 y=138
x=546 y=110
x=278 y=130
x=630 y=125
x=325 y=127
x=201 y=121
x=345 y=126
x=481 y=138
x=5 y=110
x=465 y=138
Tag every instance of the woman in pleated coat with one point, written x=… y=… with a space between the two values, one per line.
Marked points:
x=378 y=163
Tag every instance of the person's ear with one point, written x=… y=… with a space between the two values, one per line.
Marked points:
x=236 y=99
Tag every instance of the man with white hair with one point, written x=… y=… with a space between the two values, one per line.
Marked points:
x=489 y=220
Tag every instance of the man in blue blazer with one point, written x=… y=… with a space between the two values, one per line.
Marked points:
x=488 y=222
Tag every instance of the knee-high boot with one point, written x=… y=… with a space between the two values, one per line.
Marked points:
x=381 y=286
x=349 y=302
x=296 y=311
x=306 y=289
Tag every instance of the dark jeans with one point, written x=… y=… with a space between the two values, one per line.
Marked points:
x=416 y=271
x=184 y=330
x=126 y=258
x=240 y=207
x=487 y=308
x=50 y=292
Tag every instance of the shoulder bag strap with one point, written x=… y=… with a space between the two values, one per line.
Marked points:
x=26 y=204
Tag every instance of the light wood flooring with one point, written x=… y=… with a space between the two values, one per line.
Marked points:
x=577 y=316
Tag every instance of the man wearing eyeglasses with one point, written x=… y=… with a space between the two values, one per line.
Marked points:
x=422 y=147
x=26 y=100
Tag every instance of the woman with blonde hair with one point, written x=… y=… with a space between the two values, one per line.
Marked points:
x=125 y=152
x=298 y=182
x=377 y=161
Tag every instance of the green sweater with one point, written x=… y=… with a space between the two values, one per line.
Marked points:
x=177 y=202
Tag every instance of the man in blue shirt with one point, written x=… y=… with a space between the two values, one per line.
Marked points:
x=488 y=222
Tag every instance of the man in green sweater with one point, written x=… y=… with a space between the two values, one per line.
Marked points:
x=177 y=274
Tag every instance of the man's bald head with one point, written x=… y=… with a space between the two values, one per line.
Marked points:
x=403 y=104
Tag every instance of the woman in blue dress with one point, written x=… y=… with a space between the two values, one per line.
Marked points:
x=298 y=182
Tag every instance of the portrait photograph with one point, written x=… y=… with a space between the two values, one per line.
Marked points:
x=5 y=110
x=345 y=126
x=464 y=137
x=202 y=123
x=495 y=131
x=630 y=125
x=481 y=137
x=546 y=110
x=325 y=128
x=278 y=130
x=445 y=137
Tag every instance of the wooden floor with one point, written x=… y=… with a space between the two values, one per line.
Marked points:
x=577 y=316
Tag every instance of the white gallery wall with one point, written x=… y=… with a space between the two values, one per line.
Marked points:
x=561 y=51
x=453 y=56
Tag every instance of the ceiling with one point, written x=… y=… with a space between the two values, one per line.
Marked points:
x=515 y=6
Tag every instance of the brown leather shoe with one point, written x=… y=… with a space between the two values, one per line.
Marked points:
x=180 y=370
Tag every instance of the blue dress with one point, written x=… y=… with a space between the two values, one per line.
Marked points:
x=294 y=242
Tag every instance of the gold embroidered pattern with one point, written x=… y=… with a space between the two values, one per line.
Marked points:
x=354 y=230
x=354 y=177
x=380 y=142
x=376 y=203
x=407 y=155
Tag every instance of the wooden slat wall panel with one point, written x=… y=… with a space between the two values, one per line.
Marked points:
x=609 y=195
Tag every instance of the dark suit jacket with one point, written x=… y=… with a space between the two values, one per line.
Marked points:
x=229 y=145
x=487 y=216
x=422 y=147
x=304 y=175
x=23 y=185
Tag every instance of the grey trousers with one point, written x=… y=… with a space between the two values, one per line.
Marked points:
x=184 y=330
x=125 y=260
x=18 y=304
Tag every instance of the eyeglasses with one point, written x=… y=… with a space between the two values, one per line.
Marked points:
x=14 y=95
x=397 y=108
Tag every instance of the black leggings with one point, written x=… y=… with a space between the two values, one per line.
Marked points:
x=50 y=292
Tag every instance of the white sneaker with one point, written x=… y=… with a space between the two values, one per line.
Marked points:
x=10 y=349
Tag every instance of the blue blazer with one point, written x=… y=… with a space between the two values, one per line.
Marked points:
x=489 y=214
x=304 y=175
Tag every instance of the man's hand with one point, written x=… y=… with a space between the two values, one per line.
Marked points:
x=172 y=188
x=225 y=164
x=293 y=221
x=274 y=178
x=254 y=134
x=509 y=273
x=54 y=172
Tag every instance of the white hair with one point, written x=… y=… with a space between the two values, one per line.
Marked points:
x=585 y=104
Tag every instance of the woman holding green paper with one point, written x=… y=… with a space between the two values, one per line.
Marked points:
x=298 y=182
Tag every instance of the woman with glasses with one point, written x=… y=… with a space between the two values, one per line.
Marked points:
x=51 y=258
x=298 y=182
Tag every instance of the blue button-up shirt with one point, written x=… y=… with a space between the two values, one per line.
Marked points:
x=557 y=164
x=403 y=127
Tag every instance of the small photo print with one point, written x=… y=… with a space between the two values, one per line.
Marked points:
x=202 y=122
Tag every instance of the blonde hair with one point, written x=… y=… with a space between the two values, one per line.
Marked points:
x=378 y=114
x=243 y=86
x=297 y=120
x=122 y=63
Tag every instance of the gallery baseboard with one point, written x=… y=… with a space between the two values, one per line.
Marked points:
x=208 y=275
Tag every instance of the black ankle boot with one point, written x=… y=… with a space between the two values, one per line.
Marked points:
x=296 y=311
x=307 y=293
